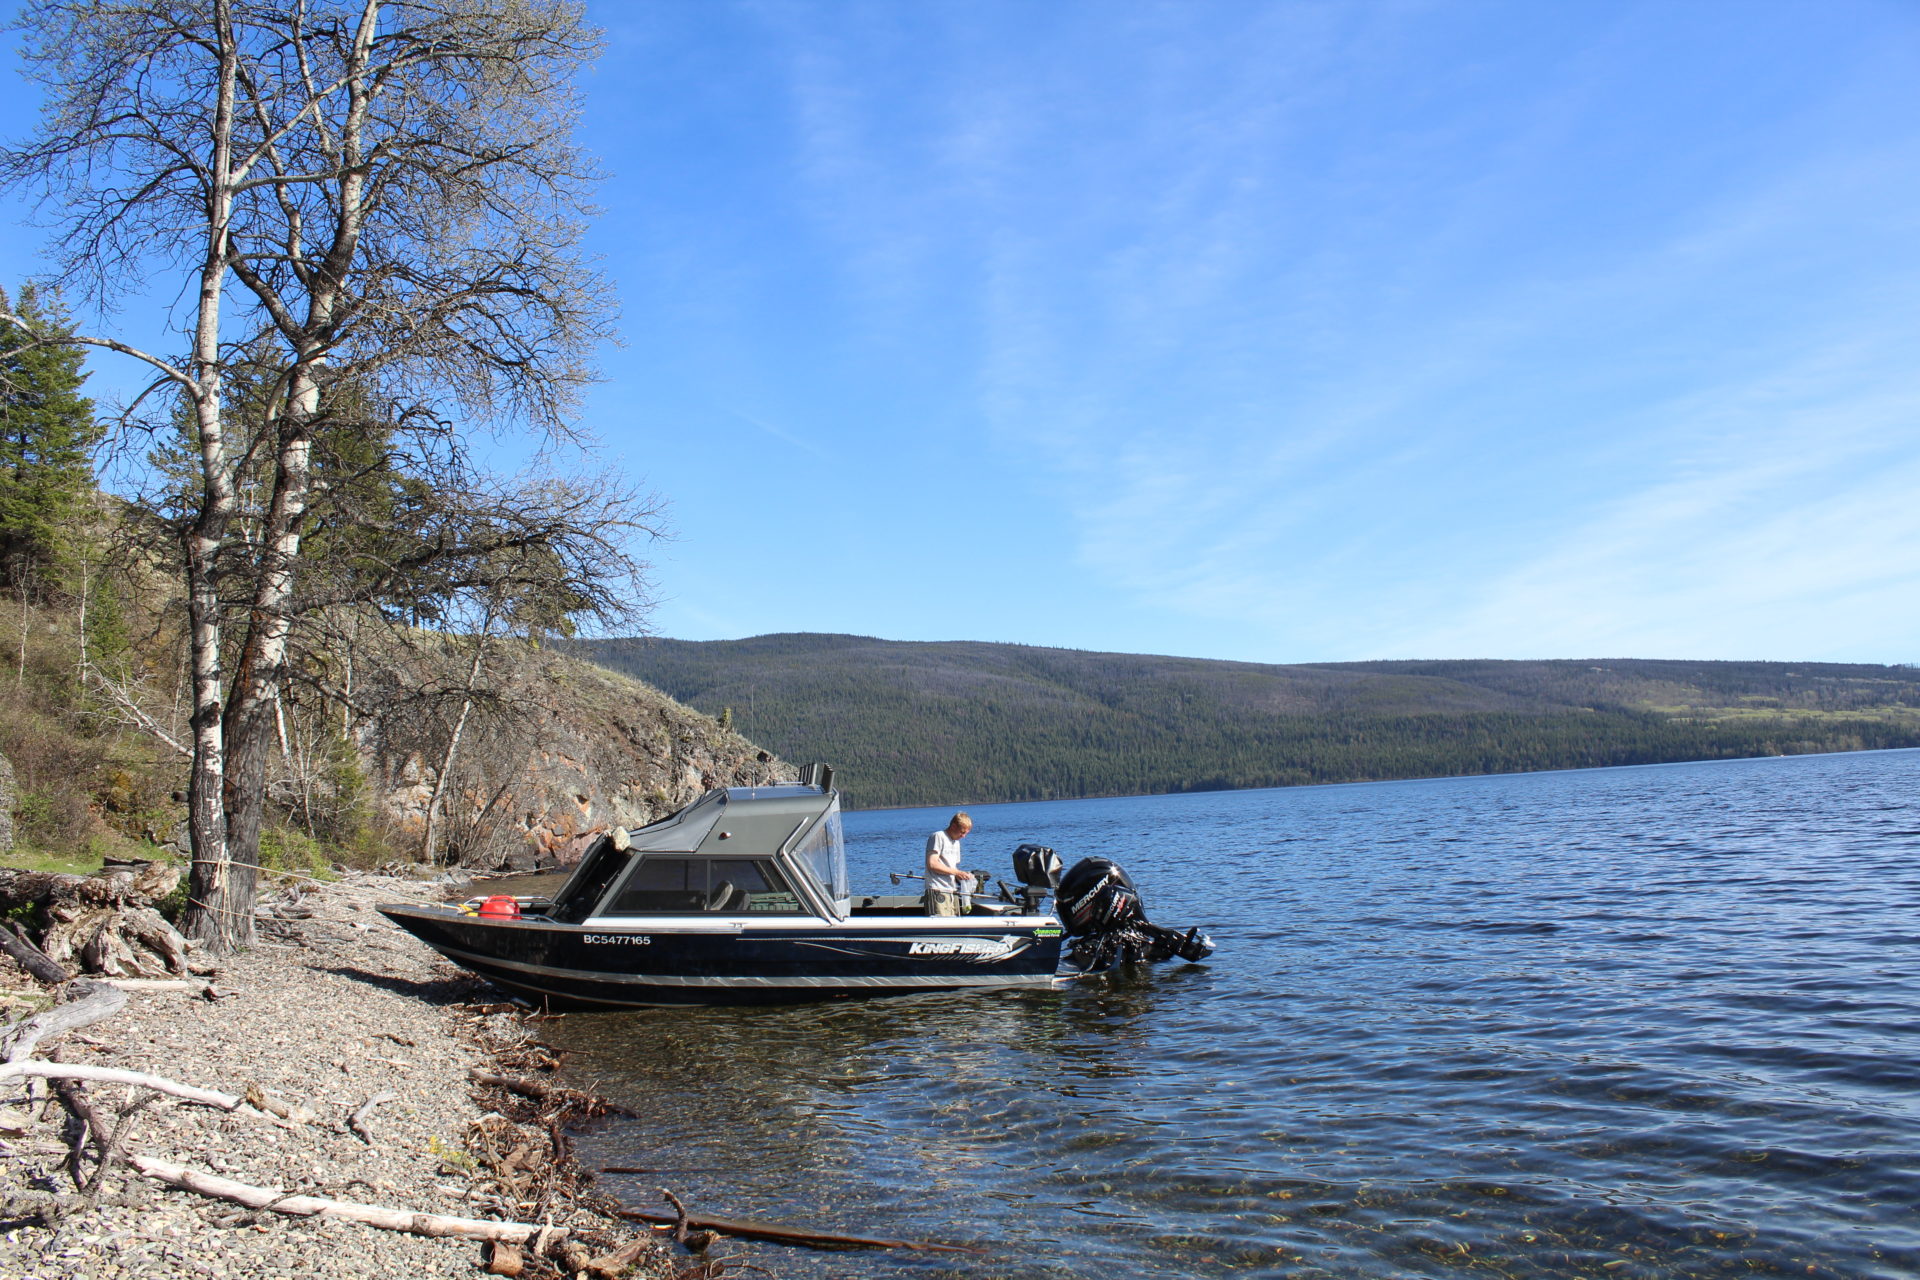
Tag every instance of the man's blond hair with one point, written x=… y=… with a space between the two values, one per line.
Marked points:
x=962 y=817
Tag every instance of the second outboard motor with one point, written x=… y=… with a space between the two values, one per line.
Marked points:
x=1103 y=913
x=1097 y=896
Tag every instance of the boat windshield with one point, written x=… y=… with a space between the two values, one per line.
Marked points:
x=824 y=852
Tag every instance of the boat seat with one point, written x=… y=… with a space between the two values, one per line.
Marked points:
x=726 y=896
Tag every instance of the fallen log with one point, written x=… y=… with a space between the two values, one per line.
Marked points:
x=31 y=958
x=105 y=922
x=775 y=1233
x=97 y=1003
x=420 y=1224
x=143 y=882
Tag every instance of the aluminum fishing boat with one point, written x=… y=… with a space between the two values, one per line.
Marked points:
x=742 y=898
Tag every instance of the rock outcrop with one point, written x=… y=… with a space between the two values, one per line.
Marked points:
x=558 y=750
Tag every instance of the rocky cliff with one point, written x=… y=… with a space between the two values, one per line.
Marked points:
x=552 y=750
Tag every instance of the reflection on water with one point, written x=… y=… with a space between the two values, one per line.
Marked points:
x=1646 y=1022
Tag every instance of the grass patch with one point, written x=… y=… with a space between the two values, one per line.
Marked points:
x=67 y=862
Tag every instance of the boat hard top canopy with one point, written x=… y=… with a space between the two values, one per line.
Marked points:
x=757 y=850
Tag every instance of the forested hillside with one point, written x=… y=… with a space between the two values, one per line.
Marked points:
x=933 y=723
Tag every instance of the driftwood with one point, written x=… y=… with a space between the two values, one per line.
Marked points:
x=775 y=1233
x=97 y=1002
x=420 y=1224
x=31 y=958
x=143 y=882
x=550 y=1093
x=609 y=1266
x=505 y=1259
x=258 y=1198
x=358 y=1120
x=199 y=986
x=693 y=1241
x=260 y=1100
x=273 y=1108
x=111 y=1143
x=103 y=923
x=74 y=1098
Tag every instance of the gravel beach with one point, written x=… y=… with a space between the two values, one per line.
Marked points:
x=334 y=1007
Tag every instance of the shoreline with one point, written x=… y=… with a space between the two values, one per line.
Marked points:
x=335 y=1007
x=949 y=807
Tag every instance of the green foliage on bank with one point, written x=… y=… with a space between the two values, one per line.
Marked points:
x=912 y=724
x=47 y=434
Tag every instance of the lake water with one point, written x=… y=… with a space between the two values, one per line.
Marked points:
x=1659 y=1021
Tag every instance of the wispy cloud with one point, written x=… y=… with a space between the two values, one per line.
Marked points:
x=1352 y=328
x=781 y=434
x=1432 y=445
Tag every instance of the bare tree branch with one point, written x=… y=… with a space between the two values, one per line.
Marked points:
x=382 y=201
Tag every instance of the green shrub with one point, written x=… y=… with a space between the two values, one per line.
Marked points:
x=284 y=849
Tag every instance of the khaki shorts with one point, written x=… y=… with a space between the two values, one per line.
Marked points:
x=942 y=903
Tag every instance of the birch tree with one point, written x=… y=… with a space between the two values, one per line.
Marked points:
x=384 y=192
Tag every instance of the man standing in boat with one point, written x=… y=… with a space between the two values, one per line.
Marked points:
x=944 y=875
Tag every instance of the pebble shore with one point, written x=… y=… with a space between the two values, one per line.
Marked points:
x=334 y=1006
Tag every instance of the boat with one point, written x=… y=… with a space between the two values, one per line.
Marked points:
x=742 y=897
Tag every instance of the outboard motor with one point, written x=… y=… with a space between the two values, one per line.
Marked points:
x=1103 y=915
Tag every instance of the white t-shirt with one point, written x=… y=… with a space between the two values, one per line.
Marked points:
x=946 y=849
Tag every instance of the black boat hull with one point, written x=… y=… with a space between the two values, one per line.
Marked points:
x=583 y=967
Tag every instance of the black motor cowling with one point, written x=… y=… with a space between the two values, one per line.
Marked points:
x=1104 y=916
x=1097 y=896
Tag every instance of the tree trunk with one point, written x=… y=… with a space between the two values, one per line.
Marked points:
x=219 y=902
x=219 y=909
x=453 y=746
x=256 y=687
x=251 y=722
x=249 y=734
x=26 y=620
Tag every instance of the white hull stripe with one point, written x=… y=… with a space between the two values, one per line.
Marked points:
x=475 y=960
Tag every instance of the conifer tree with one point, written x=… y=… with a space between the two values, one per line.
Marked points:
x=47 y=434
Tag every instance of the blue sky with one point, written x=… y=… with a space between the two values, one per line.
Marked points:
x=1286 y=332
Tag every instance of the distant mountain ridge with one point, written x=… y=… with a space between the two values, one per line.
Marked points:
x=913 y=722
